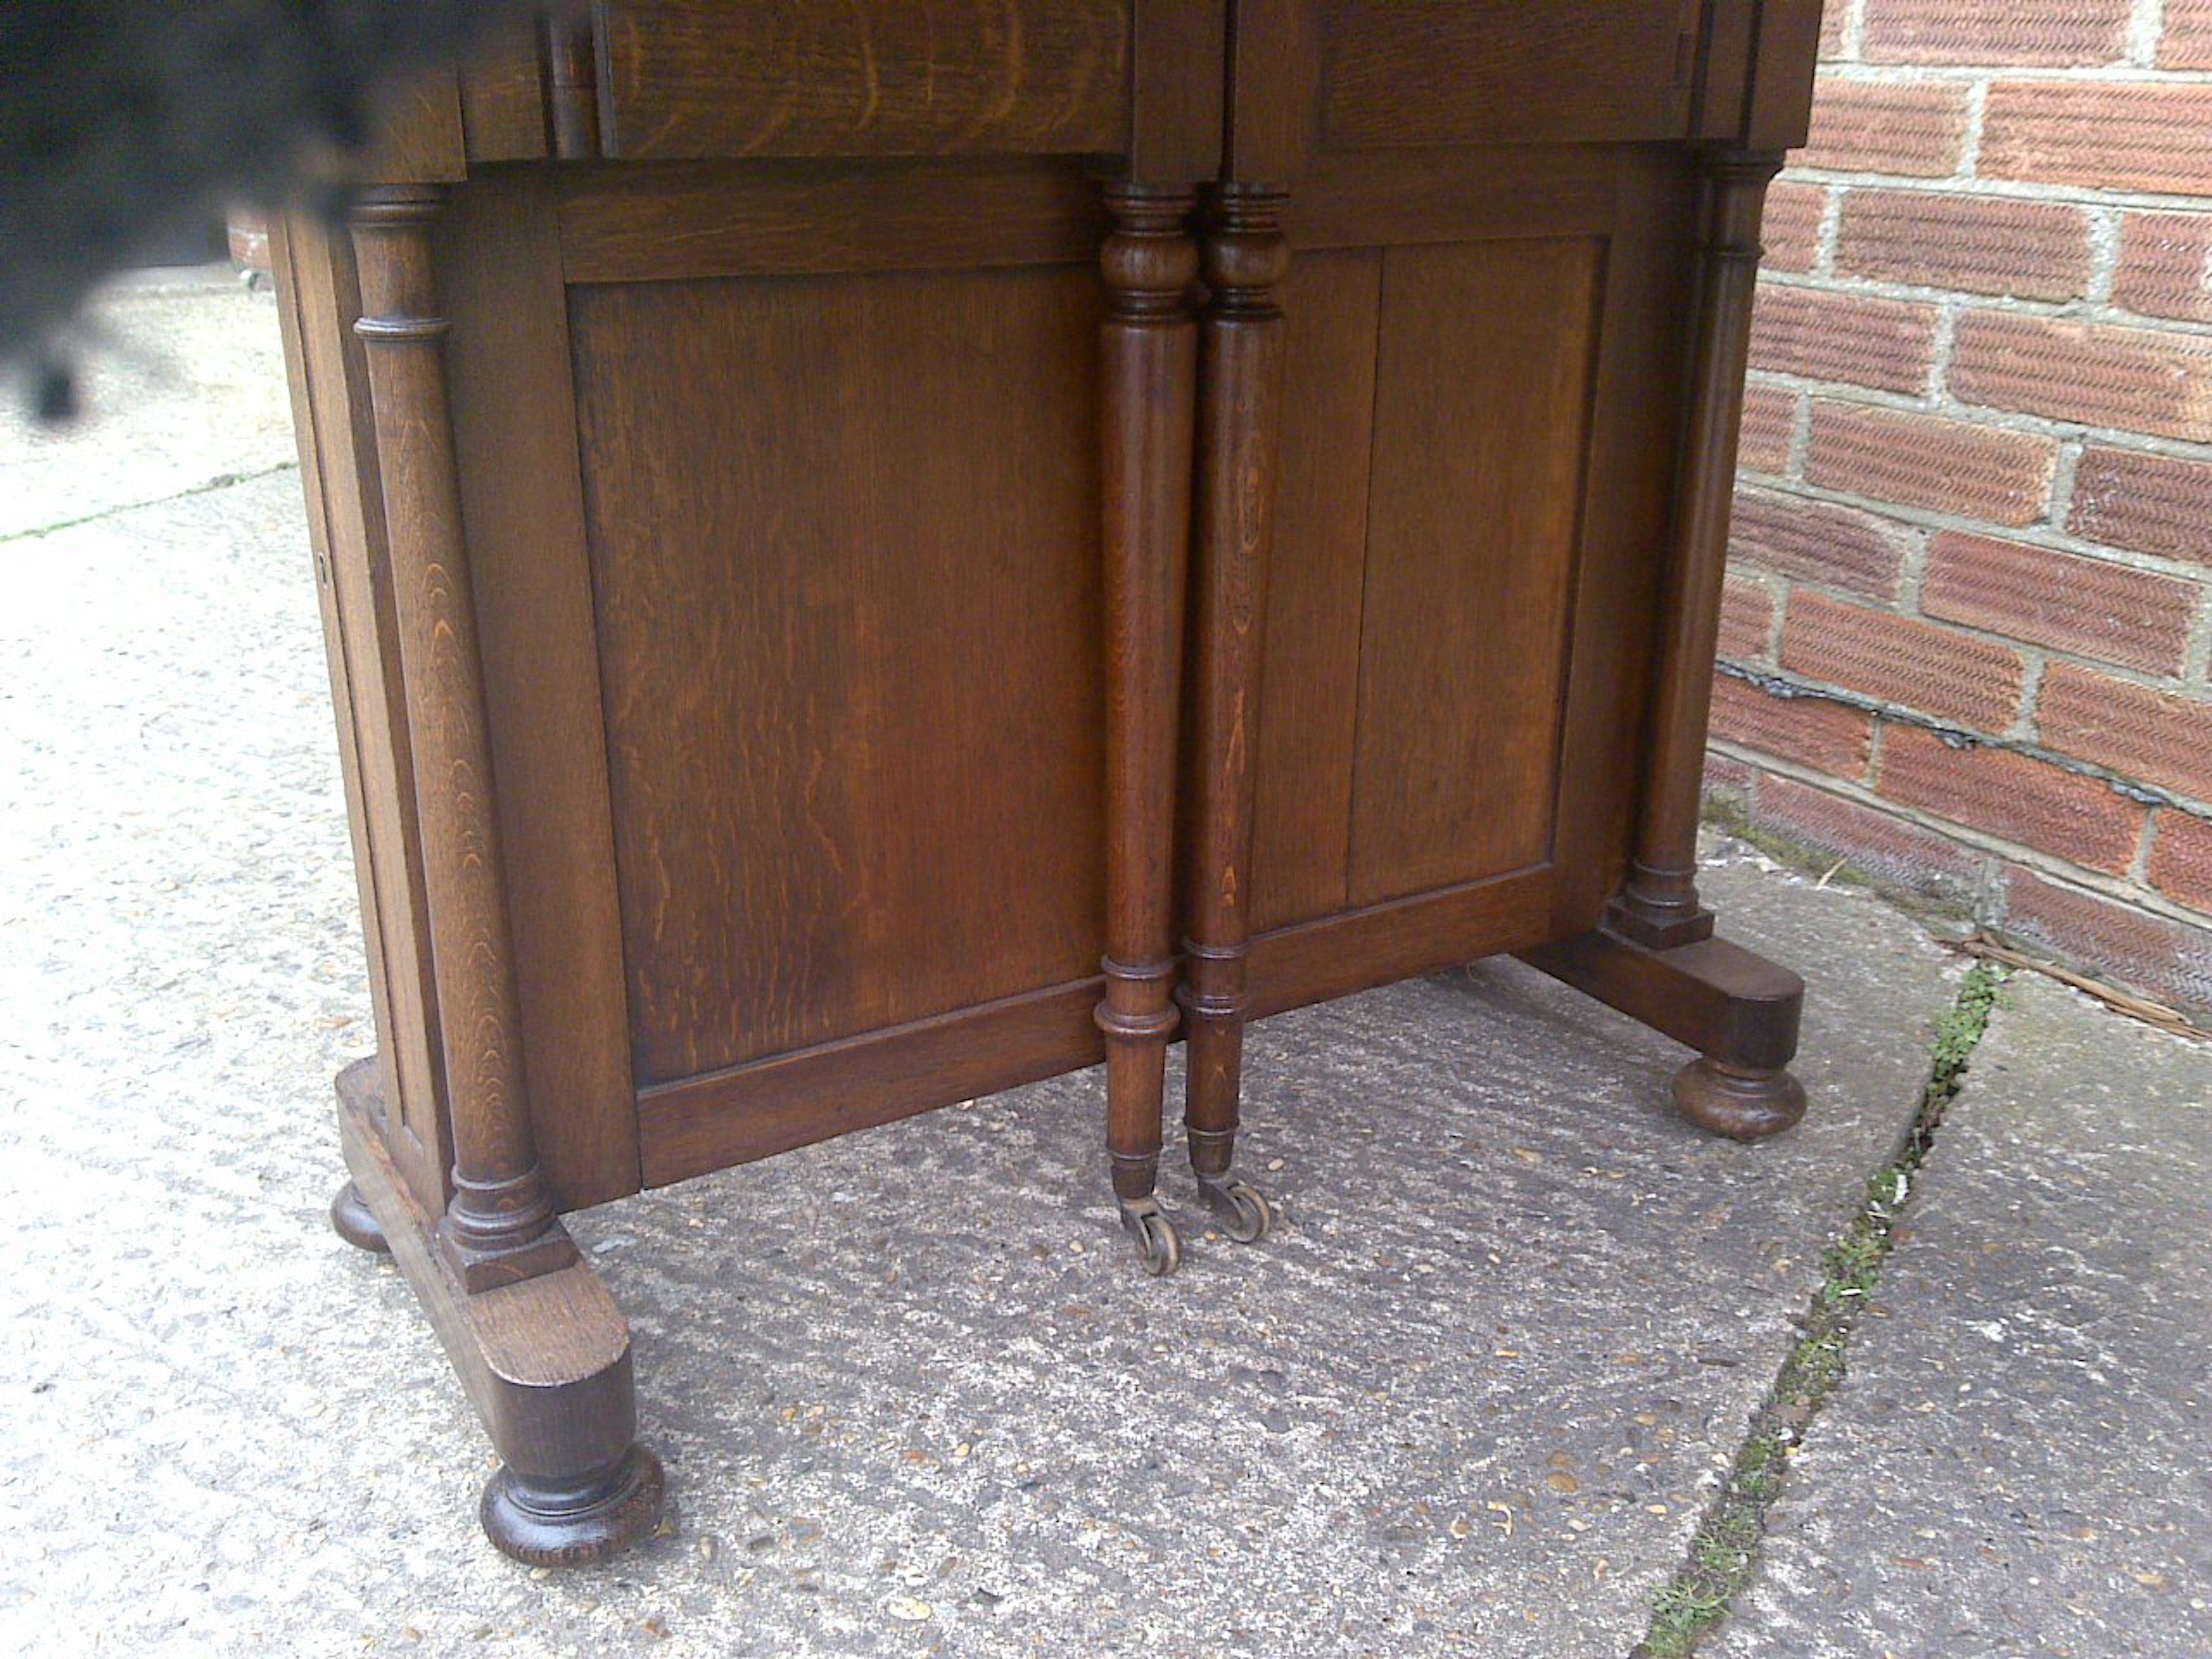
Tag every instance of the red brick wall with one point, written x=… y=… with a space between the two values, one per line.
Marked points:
x=1967 y=642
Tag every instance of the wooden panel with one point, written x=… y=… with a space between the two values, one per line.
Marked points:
x=1505 y=71
x=346 y=521
x=1635 y=428
x=1309 y=680
x=845 y=543
x=706 y=1123
x=1482 y=388
x=1176 y=90
x=416 y=132
x=1464 y=196
x=1780 y=102
x=503 y=99
x=514 y=431
x=628 y=224
x=1380 y=944
x=683 y=79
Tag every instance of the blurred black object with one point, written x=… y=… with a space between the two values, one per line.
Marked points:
x=125 y=123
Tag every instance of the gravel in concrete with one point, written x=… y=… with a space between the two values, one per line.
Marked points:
x=913 y=1396
x=2015 y=1465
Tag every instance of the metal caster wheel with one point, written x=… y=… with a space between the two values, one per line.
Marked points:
x=1242 y=1208
x=1157 y=1241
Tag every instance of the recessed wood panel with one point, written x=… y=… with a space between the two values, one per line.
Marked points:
x=844 y=551
x=1309 y=678
x=1504 y=71
x=1482 y=388
x=686 y=79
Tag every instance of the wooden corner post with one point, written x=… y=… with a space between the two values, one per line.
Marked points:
x=499 y=1225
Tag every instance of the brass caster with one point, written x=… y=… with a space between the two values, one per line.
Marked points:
x=1242 y=1208
x=1157 y=1241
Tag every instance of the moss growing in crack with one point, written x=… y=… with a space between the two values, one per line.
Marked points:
x=1725 y=1551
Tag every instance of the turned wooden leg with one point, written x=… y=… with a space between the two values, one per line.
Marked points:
x=1244 y=259
x=1148 y=361
x=352 y=1220
x=1654 y=955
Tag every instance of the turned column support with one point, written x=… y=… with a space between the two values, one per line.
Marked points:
x=1659 y=908
x=500 y=1226
x=1148 y=347
x=1244 y=257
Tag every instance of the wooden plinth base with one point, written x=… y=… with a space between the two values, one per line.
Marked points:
x=546 y=1362
x=1739 y=1011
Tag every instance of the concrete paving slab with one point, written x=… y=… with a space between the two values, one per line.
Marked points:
x=913 y=1396
x=181 y=382
x=2016 y=1464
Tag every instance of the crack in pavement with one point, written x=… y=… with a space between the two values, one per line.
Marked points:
x=208 y=486
x=1724 y=1553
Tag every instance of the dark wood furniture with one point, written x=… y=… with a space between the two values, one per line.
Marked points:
x=875 y=553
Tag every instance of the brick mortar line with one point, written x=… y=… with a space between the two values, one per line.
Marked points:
x=1791 y=687
x=2049 y=539
x=2083 y=310
x=2009 y=189
x=1865 y=72
x=2146 y=31
x=2051 y=866
x=1947 y=407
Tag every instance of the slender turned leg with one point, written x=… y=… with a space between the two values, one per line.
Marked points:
x=352 y=1220
x=1240 y=384
x=499 y=1229
x=1149 y=361
x=1741 y=1086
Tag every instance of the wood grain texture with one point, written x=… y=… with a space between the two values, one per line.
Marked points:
x=498 y=1223
x=514 y=434
x=686 y=79
x=503 y=99
x=1310 y=683
x=1659 y=906
x=1504 y=71
x=667 y=224
x=1635 y=435
x=886 y=581
x=320 y=298
x=1357 y=949
x=546 y=1362
x=416 y=135
x=1485 y=359
x=1148 y=380
x=1239 y=437
x=1176 y=88
x=1472 y=195
x=709 y=1122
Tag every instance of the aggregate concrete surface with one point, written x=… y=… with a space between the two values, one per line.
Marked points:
x=913 y=1395
x=2016 y=1463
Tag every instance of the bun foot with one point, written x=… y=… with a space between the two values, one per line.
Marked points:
x=1743 y=1105
x=353 y=1221
x=572 y=1522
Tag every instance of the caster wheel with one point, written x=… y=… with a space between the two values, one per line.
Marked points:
x=1157 y=1241
x=1242 y=1208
